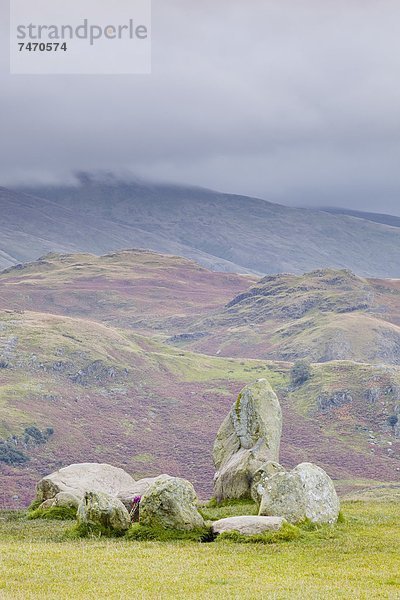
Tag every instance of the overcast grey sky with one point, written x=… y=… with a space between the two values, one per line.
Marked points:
x=296 y=101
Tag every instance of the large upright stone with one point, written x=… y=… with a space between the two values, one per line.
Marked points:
x=170 y=503
x=80 y=478
x=249 y=437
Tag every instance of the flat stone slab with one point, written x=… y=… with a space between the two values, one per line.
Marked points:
x=248 y=525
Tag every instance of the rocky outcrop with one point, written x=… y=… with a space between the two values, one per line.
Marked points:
x=327 y=402
x=248 y=438
x=170 y=503
x=248 y=525
x=306 y=492
x=100 y=510
x=77 y=479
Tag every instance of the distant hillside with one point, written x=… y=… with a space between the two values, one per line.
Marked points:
x=31 y=227
x=136 y=289
x=320 y=316
x=221 y=231
x=369 y=216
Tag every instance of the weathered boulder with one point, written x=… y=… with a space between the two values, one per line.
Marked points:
x=79 y=478
x=102 y=510
x=322 y=502
x=139 y=488
x=63 y=499
x=249 y=437
x=305 y=492
x=248 y=525
x=170 y=503
x=268 y=470
x=66 y=500
x=47 y=504
x=284 y=496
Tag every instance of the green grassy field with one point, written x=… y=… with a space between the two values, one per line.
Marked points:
x=360 y=558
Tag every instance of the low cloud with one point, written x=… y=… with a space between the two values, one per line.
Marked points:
x=294 y=101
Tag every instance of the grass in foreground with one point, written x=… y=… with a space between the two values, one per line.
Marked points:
x=360 y=558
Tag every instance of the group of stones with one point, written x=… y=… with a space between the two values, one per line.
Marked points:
x=246 y=457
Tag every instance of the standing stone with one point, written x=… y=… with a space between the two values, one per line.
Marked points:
x=100 y=509
x=170 y=503
x=249 y=437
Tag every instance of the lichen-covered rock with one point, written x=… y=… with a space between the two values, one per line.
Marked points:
x=249 y=437
x=139 y=488
x=305 y=492
x=170 y=503
x=79 y=478
x=284 y=496
x=248 y=525
x=98 y=509
x=47 y=504
x=322 y=502
x=268 y=470
x=66 y=500
x=233 y=480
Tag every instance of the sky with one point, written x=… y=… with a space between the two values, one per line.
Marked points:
x=294 y=101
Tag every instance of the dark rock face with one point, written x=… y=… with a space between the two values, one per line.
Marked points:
x=186 y=337
x=96 y=372
x=328 y=402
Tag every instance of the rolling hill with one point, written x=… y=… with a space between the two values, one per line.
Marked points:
x=320 y=316
x=141 y=290
x=221 y=231
x=86 y=375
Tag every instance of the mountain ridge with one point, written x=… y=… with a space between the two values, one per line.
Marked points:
x=221 y=231
x=383 y=218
